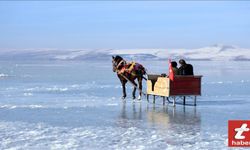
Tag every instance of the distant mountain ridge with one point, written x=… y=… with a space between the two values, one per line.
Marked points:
x=215 y=52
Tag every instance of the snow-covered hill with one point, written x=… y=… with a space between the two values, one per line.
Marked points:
x=215 y=52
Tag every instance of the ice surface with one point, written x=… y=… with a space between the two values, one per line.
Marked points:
x=77 y=105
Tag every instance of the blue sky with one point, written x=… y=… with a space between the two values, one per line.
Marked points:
x=123 y=24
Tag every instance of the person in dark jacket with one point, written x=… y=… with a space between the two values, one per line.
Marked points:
x=185 y=69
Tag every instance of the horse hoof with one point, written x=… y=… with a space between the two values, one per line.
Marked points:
x=139 y=98
x=123 y=97
x=134 y=97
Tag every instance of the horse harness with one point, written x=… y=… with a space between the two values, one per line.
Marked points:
x=128 y=67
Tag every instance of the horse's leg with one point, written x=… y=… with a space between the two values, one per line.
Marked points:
x=124 y=89
x=134 y=90
x=140 y=87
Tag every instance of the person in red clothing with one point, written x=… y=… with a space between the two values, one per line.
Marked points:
x=175 y=68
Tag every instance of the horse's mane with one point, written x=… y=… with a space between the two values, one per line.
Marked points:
x=118 y=58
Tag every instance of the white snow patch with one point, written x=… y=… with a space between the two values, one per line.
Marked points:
x=112 y=104
x=21 y=106
x=3 y=75
x=27 y=94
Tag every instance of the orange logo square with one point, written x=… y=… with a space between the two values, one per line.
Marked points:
x=239 y=133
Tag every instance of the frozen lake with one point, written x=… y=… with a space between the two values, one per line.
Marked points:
x=77 y=105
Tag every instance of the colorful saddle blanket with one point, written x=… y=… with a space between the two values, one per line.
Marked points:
x=133 y=66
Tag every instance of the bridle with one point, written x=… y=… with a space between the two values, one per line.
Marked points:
x=116 y=66
x=119 y=64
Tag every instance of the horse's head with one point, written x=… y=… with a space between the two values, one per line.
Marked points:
x=115 y=62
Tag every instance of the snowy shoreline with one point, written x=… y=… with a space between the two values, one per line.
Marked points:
x=210 y=53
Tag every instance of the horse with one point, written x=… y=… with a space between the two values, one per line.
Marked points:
x=128 y=71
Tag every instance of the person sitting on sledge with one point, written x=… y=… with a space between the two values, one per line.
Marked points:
x=185 y=69
x=174 y=67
